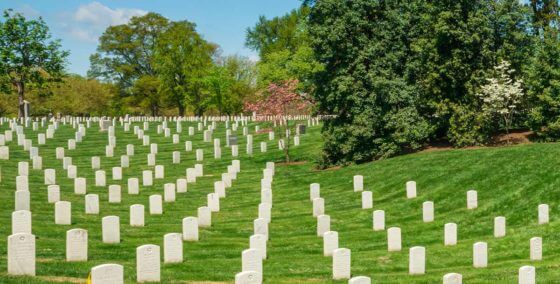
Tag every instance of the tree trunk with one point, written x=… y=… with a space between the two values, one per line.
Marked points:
x=287 y=142
x=181 y=109
x=154 y=110
x=21 y=97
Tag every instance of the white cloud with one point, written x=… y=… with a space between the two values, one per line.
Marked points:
x=100 y=15
x=90 y=20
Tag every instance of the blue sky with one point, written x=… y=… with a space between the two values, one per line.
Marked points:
x=78 y=23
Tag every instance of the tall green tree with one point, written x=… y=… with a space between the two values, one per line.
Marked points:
x=461 y=44
x=182 y=60
x=279 y=33
x=283 y=46
x=365 y=82
x=398 y=74
x=126 y=53
x=230 y=82
x=28 y=54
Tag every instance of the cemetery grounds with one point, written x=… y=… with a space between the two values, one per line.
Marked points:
x=510 y=181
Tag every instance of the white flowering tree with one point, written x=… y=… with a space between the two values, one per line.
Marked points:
x=502 y=95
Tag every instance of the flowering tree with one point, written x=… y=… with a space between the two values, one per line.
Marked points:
x=281 y=101
x=502 y=95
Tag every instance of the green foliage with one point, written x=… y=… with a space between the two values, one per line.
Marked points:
x=160 y=64
x=125 y=52
x=284 y=65
x=285 y=33
x=377 y=110
x=230 y=82
x=146 y=94
x=420 y=60
x=28 y=55
x=74 y=95
x=283 y=45
x=543 y=84
x=468 y=126
x=182 y=59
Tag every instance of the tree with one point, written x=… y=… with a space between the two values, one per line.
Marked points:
x=367 y=81
x=546 y=13
x=279 y=33
x=182 y=60
x=147 y=94
x=219 y=84
x=29 y=56
x=126 y=53
x=543 y=87
x=281 y=101
x=400 y=74
x=243 y=73
x=460 y=44
x=283 y=46
x=502 y=95
x=229 y=82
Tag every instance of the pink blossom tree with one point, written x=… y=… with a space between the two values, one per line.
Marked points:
x=281 y=102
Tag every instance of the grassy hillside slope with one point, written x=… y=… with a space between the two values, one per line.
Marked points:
x=511 y=182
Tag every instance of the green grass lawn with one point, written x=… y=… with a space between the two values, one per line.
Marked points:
x=511 y=182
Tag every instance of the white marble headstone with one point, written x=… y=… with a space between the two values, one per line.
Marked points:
x=341 y=265
x=77 y=245
x=111 y=229
x=148 y=265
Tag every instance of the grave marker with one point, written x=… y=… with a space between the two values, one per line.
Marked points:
x=536 y=248
x=480 y=255
x=77 y=245
x=367 y=200
x=190 y=229
x=251 y=260
x=148 y=266
x=378 y=220
x=500 y=227
x=410 y=189
x=452 y=278
x=394 y=239
x=110 y=227
x=92 y=204
x=137 y=215
x=156 y=204
x=472 y=199
x=21 y=254
x=417 y=260
x=323 y=224
x=172 y=248
x=341 y=263
x=450 y=234
x=204 y=217
x=107 y=273
x=63 y=213
x=21 y=222
x=527 y=275
x=428 y=211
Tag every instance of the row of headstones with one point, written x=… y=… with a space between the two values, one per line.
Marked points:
x=450 y=229
x=252 y=258
x=27 y=144
x=21 y=254
x=104 y=123
x=417 y=254
x=148 y=266
x=64 y=206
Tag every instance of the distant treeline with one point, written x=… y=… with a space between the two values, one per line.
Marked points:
x=397 y=75
x=149 y=66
